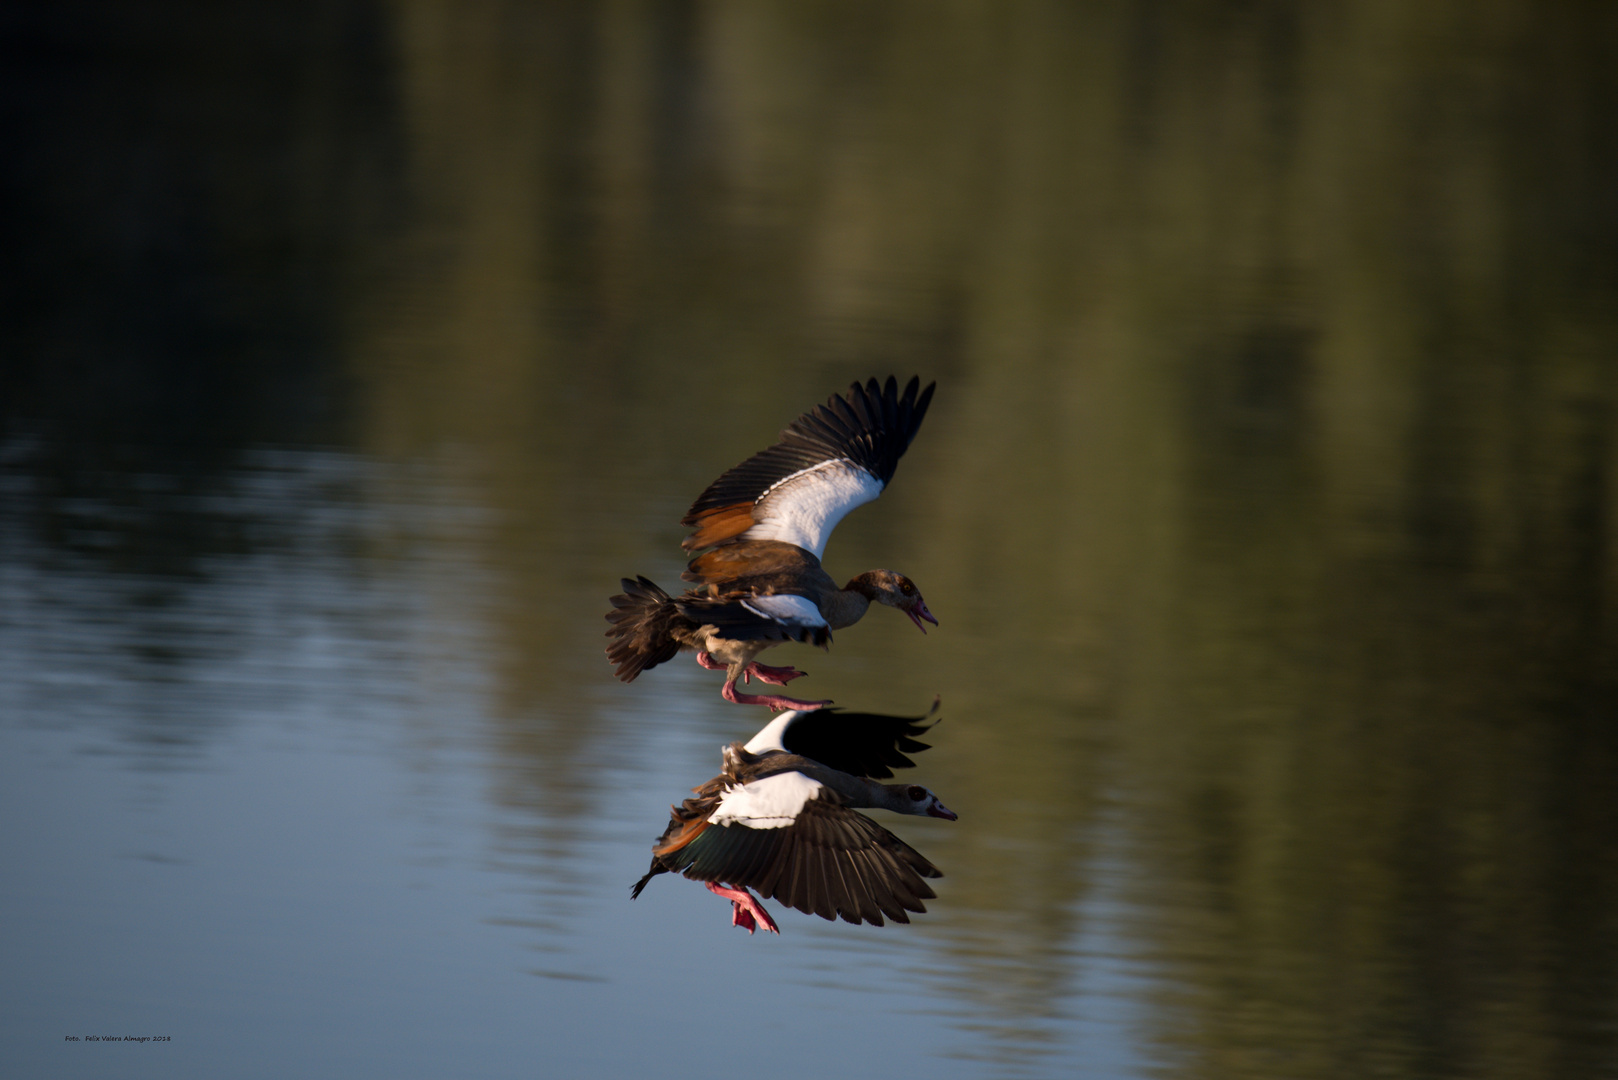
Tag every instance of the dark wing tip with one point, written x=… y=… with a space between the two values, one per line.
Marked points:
x=893 y=419
x=843 y=863
x=870 y=745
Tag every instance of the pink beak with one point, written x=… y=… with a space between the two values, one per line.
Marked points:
x=917 y=612
x=938 y=809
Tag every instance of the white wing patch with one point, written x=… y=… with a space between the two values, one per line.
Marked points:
x=771 y=803
x=787 y=609
x=771 y=735
x=805 y=507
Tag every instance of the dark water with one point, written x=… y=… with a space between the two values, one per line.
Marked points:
x=351 y=353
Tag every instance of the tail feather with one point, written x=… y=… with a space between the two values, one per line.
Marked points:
x=642 y=631
x=634 y=890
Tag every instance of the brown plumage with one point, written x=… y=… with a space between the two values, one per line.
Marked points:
x=718 y=525
x=765 y=523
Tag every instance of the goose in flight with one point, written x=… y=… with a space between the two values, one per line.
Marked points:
x=761 y=529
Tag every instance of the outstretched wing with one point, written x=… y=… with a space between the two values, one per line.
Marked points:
x=831 y=459
x=861 y=744
x=809 y=853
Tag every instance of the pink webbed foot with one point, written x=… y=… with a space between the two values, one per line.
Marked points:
x=745 y=910
x=778 y=676
x=773 y=701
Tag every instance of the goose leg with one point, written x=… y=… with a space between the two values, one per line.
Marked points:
x=774 y=701
x=746 y=911
x=780 y=676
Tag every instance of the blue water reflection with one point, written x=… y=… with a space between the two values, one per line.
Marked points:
x=267 y=807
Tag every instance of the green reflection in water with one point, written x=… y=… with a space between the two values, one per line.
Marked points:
x=1267 y=496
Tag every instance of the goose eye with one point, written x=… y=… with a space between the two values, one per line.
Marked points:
x=917 y=793
x=906 y=588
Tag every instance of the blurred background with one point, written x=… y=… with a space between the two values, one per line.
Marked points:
x=350 y=353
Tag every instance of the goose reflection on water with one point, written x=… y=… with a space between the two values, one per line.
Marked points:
x=780 y=818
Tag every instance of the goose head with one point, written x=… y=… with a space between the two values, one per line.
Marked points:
x=897 y=591
x=915 y=799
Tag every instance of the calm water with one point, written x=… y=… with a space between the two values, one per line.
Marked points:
x=352 y=353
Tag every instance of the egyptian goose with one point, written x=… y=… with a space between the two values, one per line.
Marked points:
x=780 y=819
x=765 y=523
